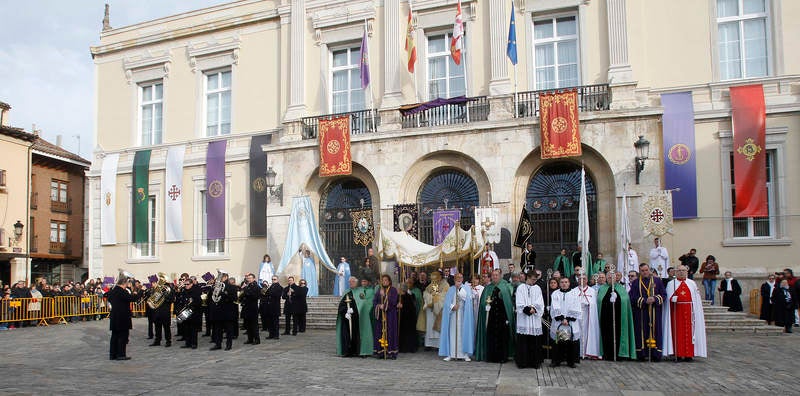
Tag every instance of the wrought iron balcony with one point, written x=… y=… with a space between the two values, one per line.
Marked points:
x=61 y=207
x=590 y=98
x=60 y=247
x=437 y=112
x=361 y=122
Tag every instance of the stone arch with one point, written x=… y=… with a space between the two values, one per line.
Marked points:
x=437 y=161
x=316 y=186
x=600 y=171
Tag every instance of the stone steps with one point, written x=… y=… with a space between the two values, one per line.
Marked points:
x=756 y=330
x=733 y=322
x=719 y=320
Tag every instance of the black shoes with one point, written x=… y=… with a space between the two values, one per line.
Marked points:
x=124 y=358
x=215 y=348
x=168 y=344
x=228 y=347
x=256 y=341
x=155 y=343
x=185 y=346
x=248 y=342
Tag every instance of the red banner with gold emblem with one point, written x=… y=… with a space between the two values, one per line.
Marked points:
x=558 y=121
x=334 y=147
x=749 y=152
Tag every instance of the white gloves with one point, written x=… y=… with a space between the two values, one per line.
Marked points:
x=674 y=299
x=347 y=315
x=488 y=308
x=349 y=311
x=613 y=297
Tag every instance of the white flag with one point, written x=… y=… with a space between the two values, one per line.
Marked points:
x=108 y=198
x=486 y=221
x=583 y=219
x=624 y=238
x=174 y=195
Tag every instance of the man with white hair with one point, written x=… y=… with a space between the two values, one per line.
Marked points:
x=684 y=322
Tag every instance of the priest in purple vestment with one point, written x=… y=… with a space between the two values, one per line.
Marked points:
x=647 y=298
x=386 y=306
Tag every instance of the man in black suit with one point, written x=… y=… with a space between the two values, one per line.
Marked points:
x=249 y=303
x=120 y=298
x=194 y=324
x=527 y=261
x=224 y=312
x=290 y=305
x=271 y=307
x=162 y=314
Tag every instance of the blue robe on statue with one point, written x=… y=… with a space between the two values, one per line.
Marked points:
x=466 y=315
x=310 y=275
x=342 y=282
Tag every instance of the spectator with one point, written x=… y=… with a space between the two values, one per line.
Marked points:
x=731 y=293
x=5 y=310
x=784 y=300
x=767 y=288
x=690 y=261
x=710 y=270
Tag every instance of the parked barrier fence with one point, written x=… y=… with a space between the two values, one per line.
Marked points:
x=755 y=302
x=51 y=310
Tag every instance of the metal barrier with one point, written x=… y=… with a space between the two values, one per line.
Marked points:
x=755 y=302
x=53 y=310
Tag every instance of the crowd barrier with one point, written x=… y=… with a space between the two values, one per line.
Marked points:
x=755 y=302
x=50 y=310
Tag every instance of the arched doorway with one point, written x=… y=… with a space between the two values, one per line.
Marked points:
x=446 y=188
x=552 y=198
x=336 y=226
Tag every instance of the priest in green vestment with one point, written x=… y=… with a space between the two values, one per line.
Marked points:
x=496 y=321
x=563 y=264
x=597 y=266
x=363 y=295
x=616 y=320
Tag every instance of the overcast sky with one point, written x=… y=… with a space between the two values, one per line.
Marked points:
x=46 y=70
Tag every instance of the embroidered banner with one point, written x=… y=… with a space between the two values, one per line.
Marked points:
x=749 y=155
x=258 y=185
x=524 y=228
x=140 y=196
x=443 y=222
x=558 y=122
x=487 y=222
x=679 y=154
x=363 y=227
x=334 y=147
x=657 y=213
x=108 y=199
x=215 y=190
x=405 y=218
x=174 y=197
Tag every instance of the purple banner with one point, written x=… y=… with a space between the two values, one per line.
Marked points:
x=419 y=107
x=215 y=190
x=680 y=169
x=443 y=223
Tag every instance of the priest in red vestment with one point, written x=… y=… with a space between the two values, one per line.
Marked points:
x=684 y=322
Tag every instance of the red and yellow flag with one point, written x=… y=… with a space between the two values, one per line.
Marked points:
x=411 y=46
x=558 y=123
x=456 y=42
x=334 y=147
x=749 y=155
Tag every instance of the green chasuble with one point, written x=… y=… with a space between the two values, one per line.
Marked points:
x=598 y=266
x=563 y=264
x=586 y=257
x=627 y=342
x=506 y=290
x=366 y=317
x=417 y=298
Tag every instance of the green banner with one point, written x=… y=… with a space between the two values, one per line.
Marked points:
x=140 y=195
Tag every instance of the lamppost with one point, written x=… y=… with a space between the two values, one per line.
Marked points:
x=642 y=147
x=273 y=191
x=18 y=226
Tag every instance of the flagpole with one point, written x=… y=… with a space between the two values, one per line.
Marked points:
x=371 y=93
x=465 y=61
x=413 y=32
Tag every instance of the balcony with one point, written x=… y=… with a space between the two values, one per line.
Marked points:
x=60 y=248
x=459 y=110
x=34 y=245
x=61 y=207
x=590 y=98
x=34 y=200
x=2 y=179
x=361 y=122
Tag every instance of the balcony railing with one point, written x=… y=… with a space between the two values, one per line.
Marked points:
x=34 y=247
x=590 y=98
x=437 y=112
x=60 y=247
x=361 y=122
x=61 y=207
x=35 y=200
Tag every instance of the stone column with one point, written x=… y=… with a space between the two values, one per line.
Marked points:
x=499 y=83
x=619 y=70
x=392 y=37
x=297 y=86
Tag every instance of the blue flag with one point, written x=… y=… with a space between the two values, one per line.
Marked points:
x=680 y=168
x=511 y=49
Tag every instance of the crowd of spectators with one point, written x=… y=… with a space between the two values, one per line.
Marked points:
x=77 y=309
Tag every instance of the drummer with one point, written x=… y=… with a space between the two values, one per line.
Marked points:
x=194 y=323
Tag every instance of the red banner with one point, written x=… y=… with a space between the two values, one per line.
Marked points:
x=558 y=122
x=749 y=152
x=334 y=147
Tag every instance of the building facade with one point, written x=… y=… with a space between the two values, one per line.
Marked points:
x=253 y=68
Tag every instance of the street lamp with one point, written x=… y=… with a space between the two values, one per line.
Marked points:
x=642 y=147
x=275 y=191
x=18 y=230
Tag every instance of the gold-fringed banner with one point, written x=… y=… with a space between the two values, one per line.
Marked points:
x=558 y=122
x=334 y=147
x=363 y=227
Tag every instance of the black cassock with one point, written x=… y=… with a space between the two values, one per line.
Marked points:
x=350 y=342
x=766 y=302
x=544 y=339
x=497 y=334
x=610 y=320
x=731 y=298
x=408 y=323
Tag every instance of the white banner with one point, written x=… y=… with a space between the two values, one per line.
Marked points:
x=657 y=213
x=583 y=224
x=486 y=220
x=174 y=194
x=108 y=199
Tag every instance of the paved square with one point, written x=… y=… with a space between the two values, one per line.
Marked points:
x=73 y=360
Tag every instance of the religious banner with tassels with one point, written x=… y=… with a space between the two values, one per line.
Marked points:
x=524 y=228
x=749 y=155
x=443 y=222
x=334 y=147
x=406 y=217
x=558 y=123
x=487 y=223
x=657 y=213
x=363 y=227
